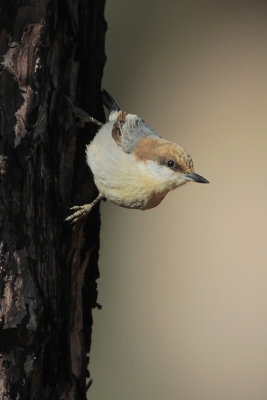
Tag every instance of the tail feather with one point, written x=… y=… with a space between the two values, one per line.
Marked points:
x=109 y=102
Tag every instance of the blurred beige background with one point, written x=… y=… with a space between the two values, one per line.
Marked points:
x=184 y=286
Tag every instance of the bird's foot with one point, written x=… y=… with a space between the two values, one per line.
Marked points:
x=82 y=211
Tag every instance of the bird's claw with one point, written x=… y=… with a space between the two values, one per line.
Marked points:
x=80 y=212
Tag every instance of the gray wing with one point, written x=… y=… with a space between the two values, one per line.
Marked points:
x=127 y=132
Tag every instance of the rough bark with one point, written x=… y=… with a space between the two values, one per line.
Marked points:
x=48 y=270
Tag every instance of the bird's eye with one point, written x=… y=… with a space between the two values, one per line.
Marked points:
x=170 y=163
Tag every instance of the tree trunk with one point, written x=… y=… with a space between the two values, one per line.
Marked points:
x=50 y=50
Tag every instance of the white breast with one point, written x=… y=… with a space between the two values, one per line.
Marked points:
x=119 y=176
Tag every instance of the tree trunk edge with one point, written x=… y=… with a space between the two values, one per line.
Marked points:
x=48 y=270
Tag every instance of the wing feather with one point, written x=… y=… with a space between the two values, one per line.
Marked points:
x=129 y=130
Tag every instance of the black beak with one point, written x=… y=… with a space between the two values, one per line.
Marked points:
x=192 y=176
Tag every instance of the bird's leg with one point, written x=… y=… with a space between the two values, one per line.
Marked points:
x=82 y=115
x=81 y=211
x=87 y=118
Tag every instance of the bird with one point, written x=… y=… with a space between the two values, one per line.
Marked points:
x=132 y=165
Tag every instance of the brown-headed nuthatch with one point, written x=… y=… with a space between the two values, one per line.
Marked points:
x=131 y=164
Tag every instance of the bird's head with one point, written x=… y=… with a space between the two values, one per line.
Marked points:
x=167 y=162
